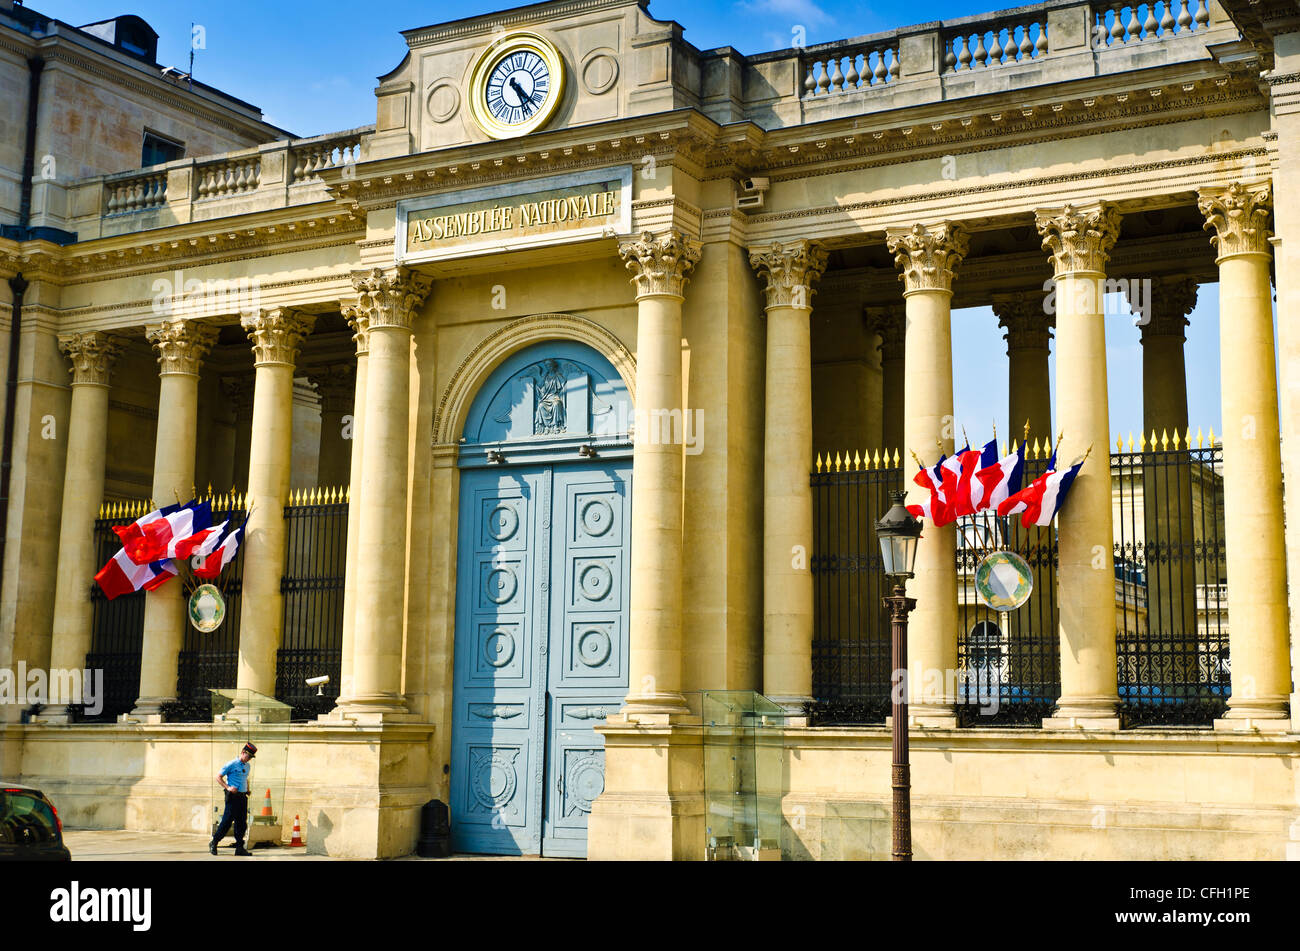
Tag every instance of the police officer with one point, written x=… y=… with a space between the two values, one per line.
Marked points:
x=233 y=778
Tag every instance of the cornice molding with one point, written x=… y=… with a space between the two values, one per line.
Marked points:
x=489 y=23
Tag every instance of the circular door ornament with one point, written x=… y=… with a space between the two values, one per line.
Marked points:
x=499 y=648
x=594 y=647
x=1003 y=581
x=597 y=517
x=207 y=608
x=586 y=781
x=595 y=582
x=516 y=85
x=503 y=522
x=501 y=585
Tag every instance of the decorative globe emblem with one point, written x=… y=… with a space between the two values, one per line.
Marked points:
x=207 y=608
x=1003 y=581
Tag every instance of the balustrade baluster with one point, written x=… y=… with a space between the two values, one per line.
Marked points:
x=981 y=54
x=1203 y=14
x=837 y=80
x=851 y=78
x=995 y=51
x=1184 y=18
x=823 y=79
x=1026 y=44
x=1166 y=19
x=1149 y=25
x=964 y=57
x=1133 y=28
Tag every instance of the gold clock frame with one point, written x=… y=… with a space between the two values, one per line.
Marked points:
x=488 y=60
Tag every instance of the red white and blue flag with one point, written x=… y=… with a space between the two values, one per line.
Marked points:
x=175 y=531
x=123 y=576
x=1001 y=479
x=931 y=479
x=1041 y=500
x=209 y=564
x=961 y=487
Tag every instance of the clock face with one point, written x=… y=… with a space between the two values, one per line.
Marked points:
x=516 y=85
x=518 y=88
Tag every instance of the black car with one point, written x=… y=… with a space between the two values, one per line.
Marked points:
x=30 y=827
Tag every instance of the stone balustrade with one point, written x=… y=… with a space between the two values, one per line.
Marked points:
x=227 y=177
x=312 y=156
x=134 y=191
x=999 y=42
x=1123 y=23
x=845 y=67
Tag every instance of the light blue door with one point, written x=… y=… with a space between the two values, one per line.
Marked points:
x=541 y=651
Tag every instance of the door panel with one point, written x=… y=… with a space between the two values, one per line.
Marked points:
x=587 y=676
x=541 y=652
x=498 y=739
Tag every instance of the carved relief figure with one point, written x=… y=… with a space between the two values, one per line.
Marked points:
x=549 y=418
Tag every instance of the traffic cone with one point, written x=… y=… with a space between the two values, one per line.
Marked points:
x=297 y=834
x=266 y=806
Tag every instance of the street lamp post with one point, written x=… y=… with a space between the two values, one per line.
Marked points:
x=899 y=532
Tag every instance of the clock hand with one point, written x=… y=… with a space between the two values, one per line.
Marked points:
x=519 y=91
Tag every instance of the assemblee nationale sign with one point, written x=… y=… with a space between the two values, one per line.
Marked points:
x=515 y=216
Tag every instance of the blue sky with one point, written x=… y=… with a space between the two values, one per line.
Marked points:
x=311 y=68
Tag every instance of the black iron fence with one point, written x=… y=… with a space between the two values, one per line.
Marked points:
x=1171 y=597
x=1170 y=582
x=312 y=585
x=316 y=529
x=117 y=626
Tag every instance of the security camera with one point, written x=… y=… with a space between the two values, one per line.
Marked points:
x=319 y=683
x=754 y=189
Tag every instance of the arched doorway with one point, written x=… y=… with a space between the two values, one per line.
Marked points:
x=541 y=642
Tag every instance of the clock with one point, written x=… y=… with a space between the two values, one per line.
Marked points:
x=516 y=85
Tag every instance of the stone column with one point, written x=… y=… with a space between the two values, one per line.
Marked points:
x=276 y=334
x=659 y=265
x=93 y=355
x=360 y=325
x=890 y=322
x=1079 y=239
x=1252 y=475
x=1169 y=528
x=238 y=391
x=790 y=272
x=1029 y=391
x=181 y=346
x=335 y=386
x=1029 y=384
x=388 y=300
x=928 y=258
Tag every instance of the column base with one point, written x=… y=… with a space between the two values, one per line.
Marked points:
x=146 y=710
x=1258 y=708
x=1230 y=724
x=370 y=709
x=656 y=708
x=1081 y=723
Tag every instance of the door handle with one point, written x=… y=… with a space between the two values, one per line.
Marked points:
x=559 y=785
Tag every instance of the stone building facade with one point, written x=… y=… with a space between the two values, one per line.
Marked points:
x=579 y=311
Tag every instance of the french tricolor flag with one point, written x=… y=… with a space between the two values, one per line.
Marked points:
x=1001 y=479
x=967 y=492
x=123 y=576
x=175 y=531
x=931 y=479
x=209 y=564
x=1042 y=498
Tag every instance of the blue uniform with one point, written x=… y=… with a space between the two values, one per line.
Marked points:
x=235 y=773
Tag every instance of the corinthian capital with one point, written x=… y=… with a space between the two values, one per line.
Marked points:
x=1080 y=238
x=389 y=298
x=93 y=355
x=1168 y=302
x=890 y=322
x=1028 y=325
x=336 y=387
x=181 y=345
x=791 y=271
x=276 y=334
x=360 y=325
x=1239 y=217
x=928 y=256
x=660 y=264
